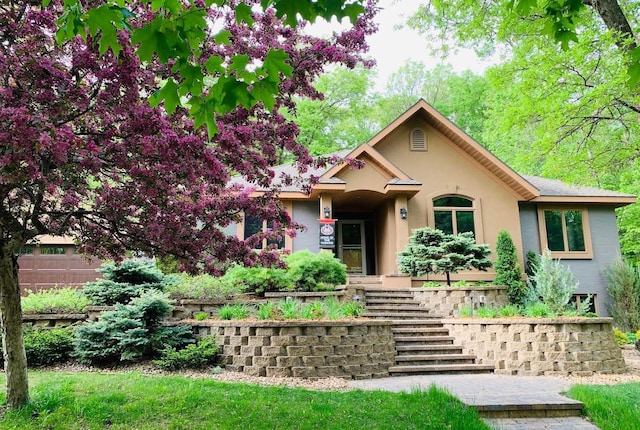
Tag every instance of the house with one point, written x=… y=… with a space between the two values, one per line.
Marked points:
x=422 y=170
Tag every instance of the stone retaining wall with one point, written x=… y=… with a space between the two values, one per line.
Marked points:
x=553 y=347
x=52 y=320
x=354 y=349
x=445 y=302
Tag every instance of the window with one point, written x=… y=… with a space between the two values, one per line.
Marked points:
x=454 y=214
x=52 y=250
x=565 y=232
x=27 y=250
x=253 y=225
x=418 y=140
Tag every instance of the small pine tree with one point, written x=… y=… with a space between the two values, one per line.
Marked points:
x=432 y=251
x=508 y=272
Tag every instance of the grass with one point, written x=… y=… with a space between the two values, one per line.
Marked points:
x=134 y=401
x=610 y=407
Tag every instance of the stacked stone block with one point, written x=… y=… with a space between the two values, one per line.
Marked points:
x=305 y=349
x=446 y=302
x=532 y=347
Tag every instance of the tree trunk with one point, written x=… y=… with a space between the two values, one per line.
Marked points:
x=15 y=360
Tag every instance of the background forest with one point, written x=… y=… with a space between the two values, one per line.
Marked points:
x=559 y=110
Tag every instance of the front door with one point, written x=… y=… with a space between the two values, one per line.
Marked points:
x=351 y=246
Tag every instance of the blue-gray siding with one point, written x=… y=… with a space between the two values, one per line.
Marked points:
x=306 y=213
x=604 y=240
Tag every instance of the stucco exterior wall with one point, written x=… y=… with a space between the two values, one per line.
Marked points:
x=385 y=228
x=307 y=213
x=606 y=247
x=444 y=169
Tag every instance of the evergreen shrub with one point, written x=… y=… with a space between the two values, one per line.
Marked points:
x=124 y=281
x=554 y=285
x=130 y=332
x=624 y=289
x=258 y=279
x=508 y=271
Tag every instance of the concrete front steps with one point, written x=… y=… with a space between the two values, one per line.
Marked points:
x=423 y=344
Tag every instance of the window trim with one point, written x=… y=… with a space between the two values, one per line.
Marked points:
x=288 y=240
x=476 y=208
x=587 y=254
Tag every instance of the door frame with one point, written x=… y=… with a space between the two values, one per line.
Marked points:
x=362 y=245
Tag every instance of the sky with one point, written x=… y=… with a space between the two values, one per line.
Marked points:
x=391 y=47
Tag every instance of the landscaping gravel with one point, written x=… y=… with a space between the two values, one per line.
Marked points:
x=629 y=352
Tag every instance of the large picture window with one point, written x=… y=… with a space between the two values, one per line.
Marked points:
x=454 y=214
x=565 y=232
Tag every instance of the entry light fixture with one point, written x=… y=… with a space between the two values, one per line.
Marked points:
x=403 y=213
x=327 y=213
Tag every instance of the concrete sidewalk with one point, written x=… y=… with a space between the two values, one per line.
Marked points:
x=491 y=394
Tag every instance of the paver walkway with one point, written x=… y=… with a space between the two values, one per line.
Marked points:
x=487 y=390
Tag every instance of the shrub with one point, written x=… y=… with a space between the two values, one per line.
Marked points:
x=130 y=332
x=624 y=288
x=258 y=279
x=134 y=271
x=462 y=283
x=201 y=316
x=193 y=356
x=204 y=286
x=45 y=347
x=315 y=272
x=508 y=272
x=621 y=337
x=553 y=284
x=122 y=282
x=431 y=284
x=55 y=300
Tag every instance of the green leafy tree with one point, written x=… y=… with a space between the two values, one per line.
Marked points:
x=432 y=251
x=507 y=267
x=344 y=117
x=566 y=110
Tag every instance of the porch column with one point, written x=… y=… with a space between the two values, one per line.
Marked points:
x=402 y=225
x=325 y=202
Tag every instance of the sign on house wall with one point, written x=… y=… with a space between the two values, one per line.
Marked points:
x=327 y=233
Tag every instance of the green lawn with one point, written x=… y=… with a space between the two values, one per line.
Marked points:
x=610 y=407
x=135 y=401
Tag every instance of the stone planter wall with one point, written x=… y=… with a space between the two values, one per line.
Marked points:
x=354 y=349
x=52 y=320
x=445 y=302
x=553 y=347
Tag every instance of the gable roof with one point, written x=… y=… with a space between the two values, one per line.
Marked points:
x=463 y=142
x=526 y=188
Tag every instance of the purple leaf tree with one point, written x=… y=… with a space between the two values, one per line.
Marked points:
x=84 y=154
